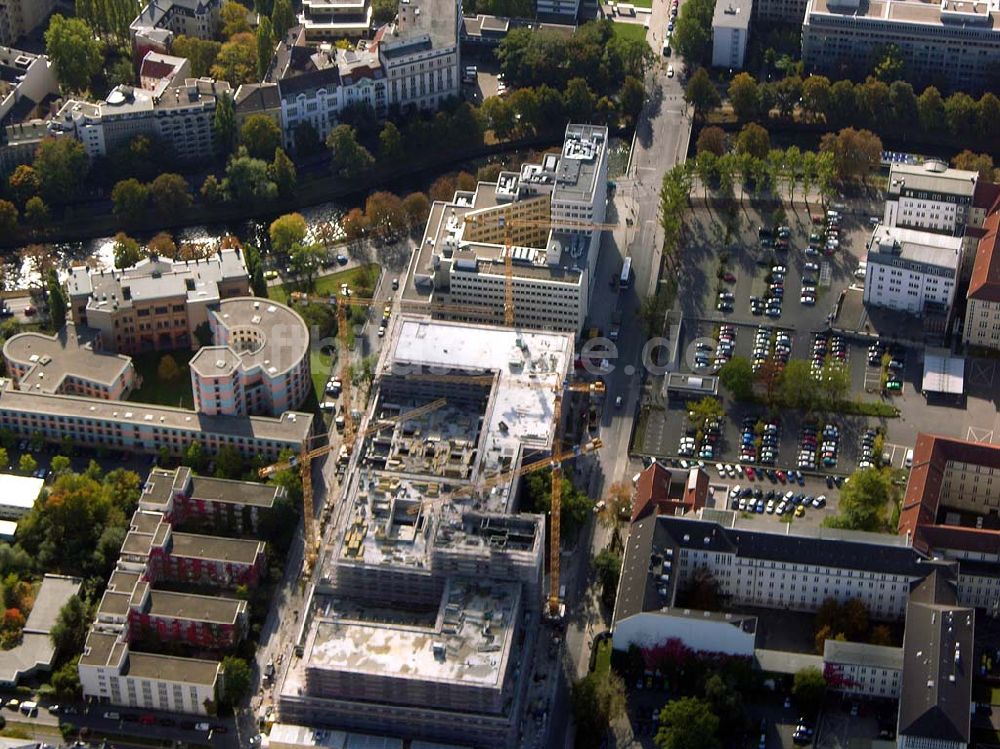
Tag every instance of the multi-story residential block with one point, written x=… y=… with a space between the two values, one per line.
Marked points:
x=935 y=701
x=912 y=271
x=19 y=142
x=420 y=53
x=69 y=362
x=730 y=29
x=199 y=18
x=335 y=19
x=158 y=71
x=25 y=81
x=859 y=669
x=111 y=674
x=782 y=11
x=259 y=363
x=561 y=11
x=930 y=197
x=982 y=309
x=19 y=17
x=547 y=211
x=144 y=428
x=954 y=41
x=181 y=496
x=257 y=99
x=181 y=117
x=156 y=304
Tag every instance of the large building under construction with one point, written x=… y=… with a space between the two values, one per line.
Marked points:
x=428 y=593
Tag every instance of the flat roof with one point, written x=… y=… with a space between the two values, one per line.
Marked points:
x=976 y=16
x=932 y=175
x=863 y=654
x=291 y=736
x=889 y=243
x=211 y=609
x=469 y=644
x=291 y=427
x=68 y=353
x=216 y=548
x=169 y=668
x=733 y=14
x=943 y=373
x=19 y=492
x=260 y=334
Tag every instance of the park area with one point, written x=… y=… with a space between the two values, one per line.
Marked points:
x=164 y=383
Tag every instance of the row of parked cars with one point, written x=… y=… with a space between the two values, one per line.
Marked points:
x=867 y=452
x=763 y=350
x=895 y=365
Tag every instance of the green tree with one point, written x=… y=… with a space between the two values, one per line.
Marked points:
x=960 y=112
x=607 y=569
x=24 y=183
x=224 y=124
x=706 y=409
x=975 y=162
x=66 y=680
x=578 y=99
x=237 y=60
x=701 y=92
x=170 y=194
x=816 y=95
x=576 y=506
x=864 y=501
x=36 y=213
x=8 y=218
x=287 y=231
x=283 y=173
x=390 y=148
x=744 y=96
x=121 y=73
x=693 y=32
x=753 y=140
x=248 y=180
x=229 y=463
x=201 y=52
x=736 y=375
x=4 y=462
x=687 y=723
x=261 y=136
x=349 y=158
x=306 y=258
x=127 y=251
x=57 y=301
x=890 y=66
x=711 y=139
x=60 y=465
x=417 y=208
x=988 y=116
x=265 y=46
x=797 y=388
x=930 y=110
x=383 y=11
x=255 y=269
x=194 y=457
x=834 y=383
x=237 y=679
x=843 y=103
x=61 y=164
x=74 y=51
x=597 y=700
x=69 y=633
x=282 y=18
x=631 y=98
x=129 y=198
x=167 y=370
x=211 y=191
x=233 y=18
x=808 y=689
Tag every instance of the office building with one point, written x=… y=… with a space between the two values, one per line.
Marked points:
x=730 y=29
x=181 y=496
x=19 y=17
x=982 y=309
x=156 y=304
x=954 y=41
x=558 y=11
x=181 y=117
x=259 y=363
x=929 y=197
x=664 y=491
x=69 y=362
x=780 y=11
x=912 y=271
x=859 y=669
x=433 y=545
x=335 y=19
x=143 y=428
x=26 y=80
x=548 y=212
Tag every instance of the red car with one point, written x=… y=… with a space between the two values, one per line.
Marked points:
x=781 y=476
x=750 y=473
x=728 y=277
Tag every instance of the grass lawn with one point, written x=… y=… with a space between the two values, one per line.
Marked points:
x=602 y=664
x=325 y=285
x=319 y=365
x=642 y=3
x=176 y=392
x=631 y=30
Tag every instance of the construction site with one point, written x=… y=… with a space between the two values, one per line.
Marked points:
x=428 y=590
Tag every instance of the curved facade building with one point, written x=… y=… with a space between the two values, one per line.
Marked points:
x=259 y=363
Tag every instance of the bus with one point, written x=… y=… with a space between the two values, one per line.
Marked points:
x=626 y=277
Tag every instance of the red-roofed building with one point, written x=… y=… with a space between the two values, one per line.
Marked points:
x=982 y=313
x=662 y=491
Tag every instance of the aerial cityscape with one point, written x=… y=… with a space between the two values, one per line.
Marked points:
x=500 y=374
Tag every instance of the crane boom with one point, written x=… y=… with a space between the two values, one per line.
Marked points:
x=555 y=506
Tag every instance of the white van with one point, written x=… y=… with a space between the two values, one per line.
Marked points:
x=908 y=460
x=29 y=708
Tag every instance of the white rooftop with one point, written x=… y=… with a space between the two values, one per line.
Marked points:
x=915 y=246
x=943 y=373
x=19 y=492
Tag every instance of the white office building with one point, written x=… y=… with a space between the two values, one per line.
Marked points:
x=730 y=28
x=547 y=212
x=929 y=197
x=912 y=271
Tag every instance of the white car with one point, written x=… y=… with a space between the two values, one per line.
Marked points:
x=670 y=71
x=721 y=469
